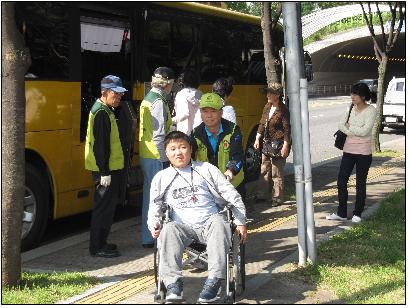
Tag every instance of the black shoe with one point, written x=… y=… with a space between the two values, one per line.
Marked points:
x=148 y=245
x=110 y=246
x=105 y=253
x=276 y=202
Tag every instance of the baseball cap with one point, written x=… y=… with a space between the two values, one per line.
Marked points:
x=211 y=100
x=113 y=83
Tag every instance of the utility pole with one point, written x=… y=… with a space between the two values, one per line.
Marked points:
x=299 y=115
x=293 y=74
x=309 y=212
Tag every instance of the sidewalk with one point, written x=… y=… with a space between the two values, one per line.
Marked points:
x=271 y=249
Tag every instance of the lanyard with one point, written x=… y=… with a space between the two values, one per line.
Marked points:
x=193 y=198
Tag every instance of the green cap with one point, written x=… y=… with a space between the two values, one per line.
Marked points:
x=211 y=100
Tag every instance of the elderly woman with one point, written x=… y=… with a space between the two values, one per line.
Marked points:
x=357 y=151
x=274 y=125
x=155 y=123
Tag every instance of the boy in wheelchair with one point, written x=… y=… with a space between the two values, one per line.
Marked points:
x=196 y=193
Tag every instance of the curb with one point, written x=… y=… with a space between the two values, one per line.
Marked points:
x=72 y=240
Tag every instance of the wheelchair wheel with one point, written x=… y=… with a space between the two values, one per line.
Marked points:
x=160 y=290
x=235 y=271
x=238 y=272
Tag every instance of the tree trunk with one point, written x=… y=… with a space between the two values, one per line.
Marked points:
x=379 y=106
x=271 y=63
x=15 y=61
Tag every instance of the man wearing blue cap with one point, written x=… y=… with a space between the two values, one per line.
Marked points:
x=105 y=158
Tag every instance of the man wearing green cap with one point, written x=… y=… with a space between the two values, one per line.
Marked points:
x=219 y=141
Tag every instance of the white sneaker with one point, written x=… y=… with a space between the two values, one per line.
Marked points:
x=356 y=219
x=334 y=216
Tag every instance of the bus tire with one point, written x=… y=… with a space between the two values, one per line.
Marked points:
x=36 y=208
x=252 y=159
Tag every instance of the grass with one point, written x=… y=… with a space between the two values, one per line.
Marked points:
x=365 y=264
x=289 y=192
x=387 y=153
x=43 y=288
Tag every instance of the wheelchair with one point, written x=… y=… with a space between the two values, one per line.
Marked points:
x=235 y=272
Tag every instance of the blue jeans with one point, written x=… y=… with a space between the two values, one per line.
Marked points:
x=149 y=167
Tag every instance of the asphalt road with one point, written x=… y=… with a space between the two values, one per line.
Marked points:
x=324 y=115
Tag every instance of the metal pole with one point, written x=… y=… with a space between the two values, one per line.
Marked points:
x=293 y=67
x=309 y=213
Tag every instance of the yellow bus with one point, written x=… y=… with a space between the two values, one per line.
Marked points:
x=74 y=44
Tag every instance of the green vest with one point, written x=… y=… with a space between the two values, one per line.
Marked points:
x=223 y=156
x=116 y=161
x=147 y=147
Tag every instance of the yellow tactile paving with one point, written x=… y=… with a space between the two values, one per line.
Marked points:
x=127 y=288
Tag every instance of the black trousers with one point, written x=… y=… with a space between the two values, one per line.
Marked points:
x=362 y=163
x=105 y=202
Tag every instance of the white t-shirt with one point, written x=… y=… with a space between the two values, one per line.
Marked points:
x=186 y=108
x=229 y=113
x=271 y=111
x=197 y=119
x=190 y=199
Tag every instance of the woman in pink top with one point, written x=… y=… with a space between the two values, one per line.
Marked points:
x=356 y=151
x=187 y=102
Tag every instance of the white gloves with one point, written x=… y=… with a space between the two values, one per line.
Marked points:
x=105 y=180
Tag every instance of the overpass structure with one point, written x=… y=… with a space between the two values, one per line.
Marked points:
x=317 y=20
x=343 y=58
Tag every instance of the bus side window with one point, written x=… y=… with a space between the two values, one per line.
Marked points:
x=225 y=51
x=256 y=73
x=158 y=49
x=171 y=41
x=45 y=27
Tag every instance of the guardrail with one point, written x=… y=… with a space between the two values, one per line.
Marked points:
x=329 y=89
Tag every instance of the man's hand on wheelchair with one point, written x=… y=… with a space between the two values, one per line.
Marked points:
x=156 y=230
x=229 y=175
x=243 y=233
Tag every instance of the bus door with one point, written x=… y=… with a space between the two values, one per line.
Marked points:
x=105 y=50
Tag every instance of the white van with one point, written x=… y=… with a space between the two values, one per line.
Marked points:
x=394 y=113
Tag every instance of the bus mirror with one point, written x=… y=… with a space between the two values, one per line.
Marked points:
x=308 y=65
x=309 y=72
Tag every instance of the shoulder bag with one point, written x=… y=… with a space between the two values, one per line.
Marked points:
x=341 y=136
x=271 y=147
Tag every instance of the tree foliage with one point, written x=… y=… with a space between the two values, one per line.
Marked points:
x=252 y=8
x=310 y=7
x=382 y=50
x=255 y=8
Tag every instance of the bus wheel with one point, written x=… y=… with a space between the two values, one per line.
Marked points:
x=252 y=159
x=36 y=208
